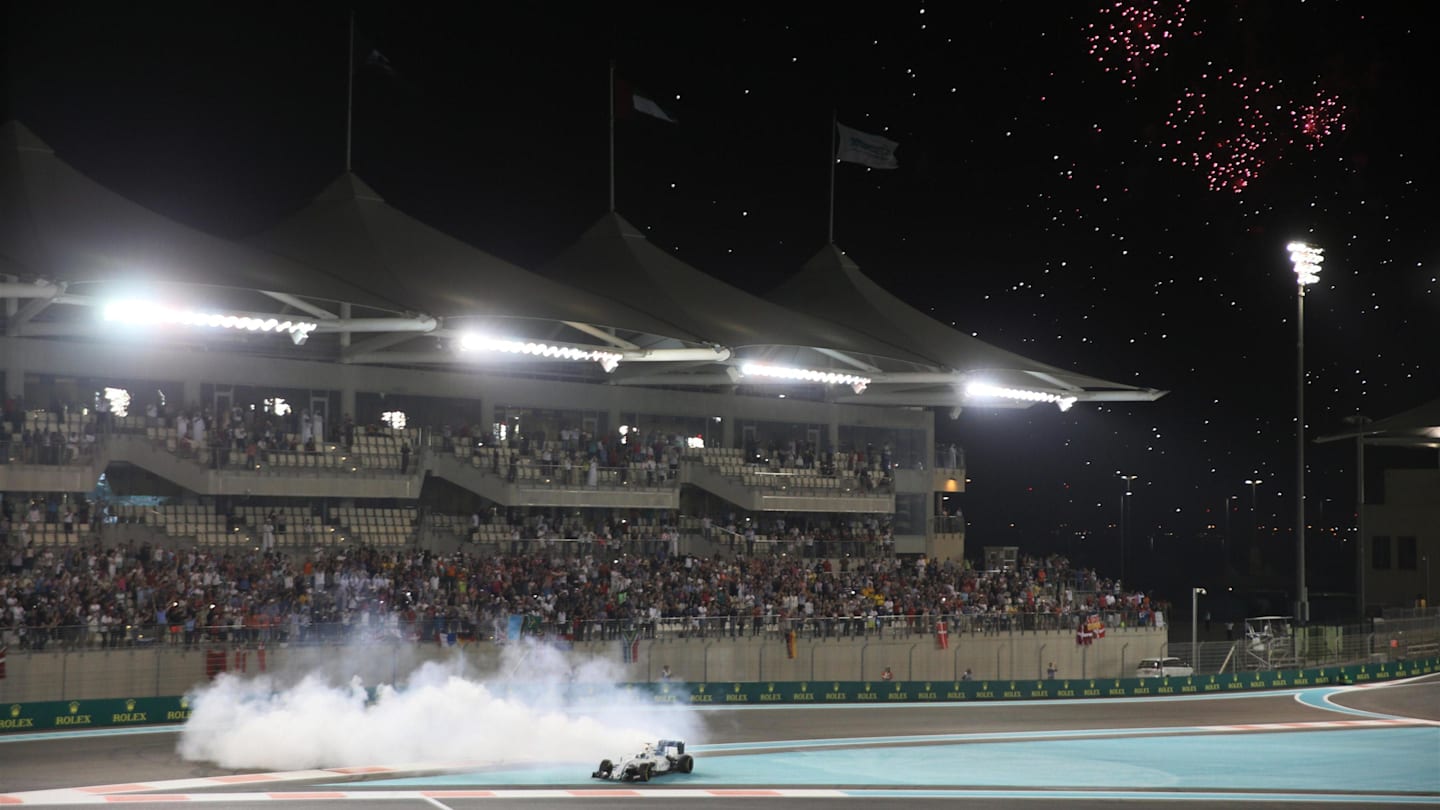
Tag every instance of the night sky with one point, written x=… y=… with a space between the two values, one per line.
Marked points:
x=1043 y=203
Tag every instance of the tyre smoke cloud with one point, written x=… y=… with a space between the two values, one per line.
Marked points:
x=441 y=713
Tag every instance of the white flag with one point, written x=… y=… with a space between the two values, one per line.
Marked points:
x=649 y=107
x=866 y=149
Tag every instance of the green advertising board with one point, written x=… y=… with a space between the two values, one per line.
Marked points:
x=75 y=714
x=51 y=715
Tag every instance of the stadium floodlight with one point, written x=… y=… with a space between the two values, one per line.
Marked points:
x=149 y=313
x=980 y=390
x=1307 y=260
x=482 y=343
x=855 y=381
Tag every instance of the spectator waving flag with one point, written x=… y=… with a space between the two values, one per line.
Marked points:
x=630 y=645
x=874 y=151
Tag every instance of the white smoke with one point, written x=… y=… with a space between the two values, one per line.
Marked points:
x=438 y=716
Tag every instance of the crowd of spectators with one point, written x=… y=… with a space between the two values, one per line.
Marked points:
x=20 y=519
x=862 y=537
x=245 y=435
x=66 y=441
x=93 y=596
x=873 y=467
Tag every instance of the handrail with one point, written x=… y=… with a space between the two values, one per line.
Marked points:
x=391 y=628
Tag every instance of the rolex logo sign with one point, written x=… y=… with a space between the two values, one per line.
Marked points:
x=130 y=705
x=74 y=718
x=15 y=721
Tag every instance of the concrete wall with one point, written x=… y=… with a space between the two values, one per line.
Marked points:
x=169 y=671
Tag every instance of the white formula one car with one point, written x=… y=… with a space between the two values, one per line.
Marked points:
x=667 y=756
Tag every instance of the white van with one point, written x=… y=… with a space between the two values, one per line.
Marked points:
x=1163 y=668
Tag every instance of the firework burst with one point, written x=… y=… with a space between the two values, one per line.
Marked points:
x=1318 y=120
x=1223 y=127
x=1131 y=37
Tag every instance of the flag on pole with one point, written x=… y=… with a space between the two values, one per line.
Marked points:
x=378 y=61
x=628 y=100
x=874 y=151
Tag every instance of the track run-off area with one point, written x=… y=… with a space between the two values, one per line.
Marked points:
x=1360 y=746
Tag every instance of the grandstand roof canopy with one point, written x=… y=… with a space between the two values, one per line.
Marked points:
x=348 y=265
x=58 y=225
x=1417 y=427
x=350 y=234
x=831 y=287
x=614 y=258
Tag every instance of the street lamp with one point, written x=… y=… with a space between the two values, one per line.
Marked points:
x=1225 y=538
x=1306 y=260
x=1361 y=560
x=1195 y=594
x=1254 y=518
x=1425 y=560
x=1126 y=494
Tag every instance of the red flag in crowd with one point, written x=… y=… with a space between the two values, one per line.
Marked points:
x=942 y=635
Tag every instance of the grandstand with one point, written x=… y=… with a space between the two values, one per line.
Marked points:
x=367 y=379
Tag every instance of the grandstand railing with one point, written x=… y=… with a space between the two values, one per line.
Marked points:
x=395 y=629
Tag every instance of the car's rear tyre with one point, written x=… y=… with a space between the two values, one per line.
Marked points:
x=686 y=764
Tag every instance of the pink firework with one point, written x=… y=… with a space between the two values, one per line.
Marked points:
x=1318 y=120
x=1234 y=163
x=1222 y=127
x=1131 y=36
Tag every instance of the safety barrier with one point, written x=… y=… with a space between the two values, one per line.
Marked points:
x=59 y=714
x=881 y=691
x=74 y=714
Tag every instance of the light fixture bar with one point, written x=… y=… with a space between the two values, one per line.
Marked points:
x=980 y=390
x=148 y=313
x=1307 y=260
x=805 y=375
x=476 y=343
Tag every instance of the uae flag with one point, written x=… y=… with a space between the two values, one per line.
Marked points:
x=628 y=101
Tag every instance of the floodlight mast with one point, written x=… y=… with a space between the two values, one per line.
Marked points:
x=1306 y=259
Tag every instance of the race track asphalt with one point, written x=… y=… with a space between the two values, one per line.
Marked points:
x=990 y=754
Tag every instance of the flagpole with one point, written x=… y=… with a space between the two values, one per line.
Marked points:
x=612 y=136
x=350 y=91
x=833 y=122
